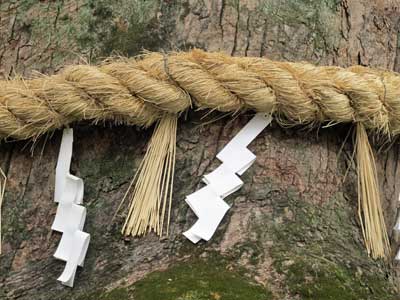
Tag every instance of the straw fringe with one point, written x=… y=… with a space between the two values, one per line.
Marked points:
x=370 y=210
x=151 y=199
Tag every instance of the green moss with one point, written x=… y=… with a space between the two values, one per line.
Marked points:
x=116 y=294
x=196 y=279
x=317 y=260
x=199 y=279
x=94 y=28
x=319 y=279
x=319 y=16
x=252 y=249
x=125 y=27
x=137 y=36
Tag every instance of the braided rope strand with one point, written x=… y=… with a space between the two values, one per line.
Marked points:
x=141 y=90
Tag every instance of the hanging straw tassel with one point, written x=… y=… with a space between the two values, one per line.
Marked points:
x=3 y=180
x=369 y=202
x=152 y=195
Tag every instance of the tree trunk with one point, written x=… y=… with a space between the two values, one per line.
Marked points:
x=292 y=231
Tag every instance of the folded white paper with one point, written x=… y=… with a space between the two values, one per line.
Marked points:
x=235 y=154
x=207 y=203
x=207 y=224
x=66 y=245
x=70 y=216
x=223 y=181
x=80 y=241
x=201 y=200
x=237 y=159
x=192 y=237
x=68 y=188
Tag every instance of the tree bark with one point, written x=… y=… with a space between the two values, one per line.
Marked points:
x=292 y=231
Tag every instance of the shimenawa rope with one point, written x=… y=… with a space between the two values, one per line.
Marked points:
x=142 y=89
x=145 y=89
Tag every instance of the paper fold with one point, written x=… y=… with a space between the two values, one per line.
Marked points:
x=207 y=203
x=70 y=216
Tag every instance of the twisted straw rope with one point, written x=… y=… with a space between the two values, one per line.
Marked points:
x=141 y=90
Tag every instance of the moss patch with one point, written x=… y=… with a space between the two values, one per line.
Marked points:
x=319 y=258
x=197 y=279
x=319 y=279
x=116 y=294
x=125 y=27
x=321 y=17
x=93 y=28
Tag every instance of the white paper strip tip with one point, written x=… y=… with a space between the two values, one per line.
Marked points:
x=207 y=203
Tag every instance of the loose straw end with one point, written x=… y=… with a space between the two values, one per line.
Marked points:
x=151 y=197
x=370 y=210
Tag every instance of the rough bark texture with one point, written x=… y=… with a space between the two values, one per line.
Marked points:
x=292 y=232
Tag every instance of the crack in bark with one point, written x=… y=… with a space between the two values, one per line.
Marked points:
x=396 y=65
x=248 y=35
x=236 y=29
x=346 y=17
x=264 y=38
x=221 y=16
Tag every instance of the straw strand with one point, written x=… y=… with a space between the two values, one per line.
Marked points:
x=152 y=194
x=369 y=203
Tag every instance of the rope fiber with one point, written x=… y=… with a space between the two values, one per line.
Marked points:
x=141 y=90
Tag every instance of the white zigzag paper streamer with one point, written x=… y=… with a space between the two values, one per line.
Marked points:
x=70 y=216
x=207 y=203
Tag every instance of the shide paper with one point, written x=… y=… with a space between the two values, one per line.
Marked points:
x=210 y=209
x=70 y=216
x=207 y=203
